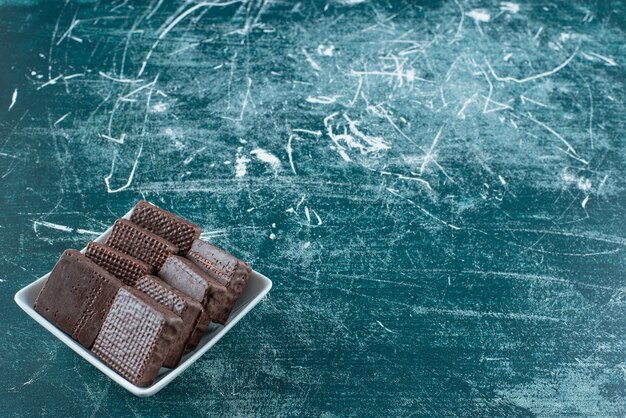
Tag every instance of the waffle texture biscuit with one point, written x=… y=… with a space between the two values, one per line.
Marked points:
x=176 y=230
x=140 y=243
x=77 y=296
x=136 y=336
x=126 y=268
x=223 y=267
x=186 y=277
x=176 y=301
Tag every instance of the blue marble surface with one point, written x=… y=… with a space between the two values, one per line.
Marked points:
x=436 y=189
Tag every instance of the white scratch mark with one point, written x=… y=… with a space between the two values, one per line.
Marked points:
x=62 y=118
x=13 y=99
x=50 y=82
x=290 y=154
x=533 y=77
x=459 y=27
x=68 y=32
x=526 y=99
x=69 y=77
x=307 y=131
x=584 y=202
x=175 y=22
x=461 y=113
x=553 y=132
x=322 y=99
x=138 y=89
x=609 y=61
x=107 y=178
x=478 y=314
x=245 y=99
x=87 y=232
x=429 y=155
x=119 y=140
x=319 y=220
x=424 y=211
x=208 y=235
x=500 y=106
x=403 y=177
x=344 y=155
x=307 y=214
x=193 y=155
x=385 y=328
x=311 y=61
x=119 y=80
x=300 y=202
x=51 y=225
x=409 y=75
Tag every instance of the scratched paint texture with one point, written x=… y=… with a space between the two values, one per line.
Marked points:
x=436 y=189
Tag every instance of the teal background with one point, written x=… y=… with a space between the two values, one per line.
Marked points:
x=436 y=190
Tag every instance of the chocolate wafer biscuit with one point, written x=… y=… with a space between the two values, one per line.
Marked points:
x=176 y=230
x=186 y=277
x=77 y=296
x=126 y=268
x=136 y=336
x=140 y=243
x=223 y=267
x=176 y=301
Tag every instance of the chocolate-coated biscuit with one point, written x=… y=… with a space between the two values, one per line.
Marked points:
x=176 y=301
x=77 y=296
x=140 y=243
x=176 y=230
x=186 y=277
x=136 y=336
x=223 y=267
x=126 y=268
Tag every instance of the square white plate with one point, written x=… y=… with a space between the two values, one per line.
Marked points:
x=257 y=287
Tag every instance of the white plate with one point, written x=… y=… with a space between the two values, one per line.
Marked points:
x=257 y=287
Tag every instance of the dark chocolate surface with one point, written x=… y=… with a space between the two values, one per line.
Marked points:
x=140 y=243
x=165 y=224
x=126 y=268
x=77 y=296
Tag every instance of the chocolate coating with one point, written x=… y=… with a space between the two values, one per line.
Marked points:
x=136 y=336
x=186 y=277
x=223 y=267
x=77 y=296
x=176 y=230
x=126 y=268
x=140 y=243
x=176 y=301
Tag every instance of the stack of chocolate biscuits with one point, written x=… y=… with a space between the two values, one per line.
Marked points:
x=147 y=295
